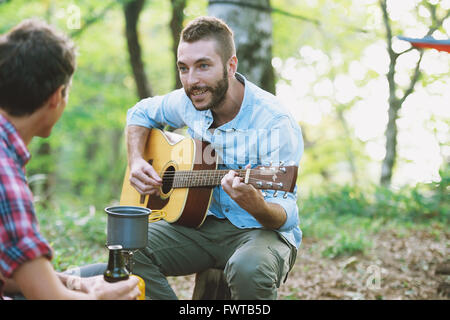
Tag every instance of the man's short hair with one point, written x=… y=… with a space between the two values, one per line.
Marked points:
x=206 y=28
x=35 y=60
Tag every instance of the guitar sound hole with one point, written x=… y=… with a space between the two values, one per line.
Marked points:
x=168 y=177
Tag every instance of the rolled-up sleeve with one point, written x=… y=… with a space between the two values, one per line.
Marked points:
x=20 y=239
x=27 y=248
x=290 y=207
x=159 y=111
x=287 y=147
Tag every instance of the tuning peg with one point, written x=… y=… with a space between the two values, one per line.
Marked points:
x=275 y=193
x=281 y=163
x=285 y=195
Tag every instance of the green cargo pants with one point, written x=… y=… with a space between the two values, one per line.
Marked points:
x=255 y=261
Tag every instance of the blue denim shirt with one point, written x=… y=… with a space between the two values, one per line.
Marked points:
x=262 y=132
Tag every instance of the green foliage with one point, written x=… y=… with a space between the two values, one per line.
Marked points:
x=346 y=244
x=86 y=157
x=345 y=216
x=76 y=233
x=416 y=204
x=340 y=25
x=84 y=160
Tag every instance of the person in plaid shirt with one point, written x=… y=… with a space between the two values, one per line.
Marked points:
x=36 y=67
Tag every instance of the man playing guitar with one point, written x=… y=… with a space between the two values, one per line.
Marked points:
x=253 y=236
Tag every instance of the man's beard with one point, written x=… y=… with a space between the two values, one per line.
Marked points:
x=217 y=93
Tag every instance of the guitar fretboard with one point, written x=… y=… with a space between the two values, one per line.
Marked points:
x=199 y=178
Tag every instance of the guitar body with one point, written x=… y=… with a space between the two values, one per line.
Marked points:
x=167 y=153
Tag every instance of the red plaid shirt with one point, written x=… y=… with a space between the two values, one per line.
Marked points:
x=20 y=240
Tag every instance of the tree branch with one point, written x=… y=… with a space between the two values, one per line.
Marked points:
x=413 y=80
x=392 y=56
x=132 y=10
x=407 y=50
x=176 y=25
x=91 y=20
x=265 y=9
x=436 y=24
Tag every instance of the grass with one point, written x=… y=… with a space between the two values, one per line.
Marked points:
x=77 y=234
x=347 y=244
x=346 y=217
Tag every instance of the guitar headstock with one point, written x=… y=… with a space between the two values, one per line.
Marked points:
x=278 y=178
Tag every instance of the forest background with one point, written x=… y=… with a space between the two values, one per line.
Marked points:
x=375 y=112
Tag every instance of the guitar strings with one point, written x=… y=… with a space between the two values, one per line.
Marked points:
x=202 y=175
x=202 y=180
x=211 y=173
x=191 y=177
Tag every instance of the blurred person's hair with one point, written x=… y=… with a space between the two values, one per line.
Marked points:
x=35 y=60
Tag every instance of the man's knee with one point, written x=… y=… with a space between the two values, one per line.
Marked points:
x=254 y=274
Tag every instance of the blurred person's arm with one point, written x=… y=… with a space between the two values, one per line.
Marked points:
x=10 y=286
x=37 y=280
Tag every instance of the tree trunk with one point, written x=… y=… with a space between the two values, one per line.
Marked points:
x=395 y=103
x=251 y=23
x=45 y=190
x=349 y=151
x=132 y=10
x=176 y=25
x=391 y=147
x=391 y=129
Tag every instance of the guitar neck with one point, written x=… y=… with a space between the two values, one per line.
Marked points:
x=261 y=177
x=198 y=178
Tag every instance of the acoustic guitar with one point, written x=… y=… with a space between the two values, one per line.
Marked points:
x=188 y=168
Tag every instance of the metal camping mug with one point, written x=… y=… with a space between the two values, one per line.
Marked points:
x=127 y=226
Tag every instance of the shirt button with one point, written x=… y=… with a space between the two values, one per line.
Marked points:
x=227 y=210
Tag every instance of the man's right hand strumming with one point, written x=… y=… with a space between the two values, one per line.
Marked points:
x=144 y=178
x=142 y=175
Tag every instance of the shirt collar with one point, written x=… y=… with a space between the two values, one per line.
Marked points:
x=13 y=140
x=240 y=121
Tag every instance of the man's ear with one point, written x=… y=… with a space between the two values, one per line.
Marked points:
x=232 y=66
x=56 y=97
